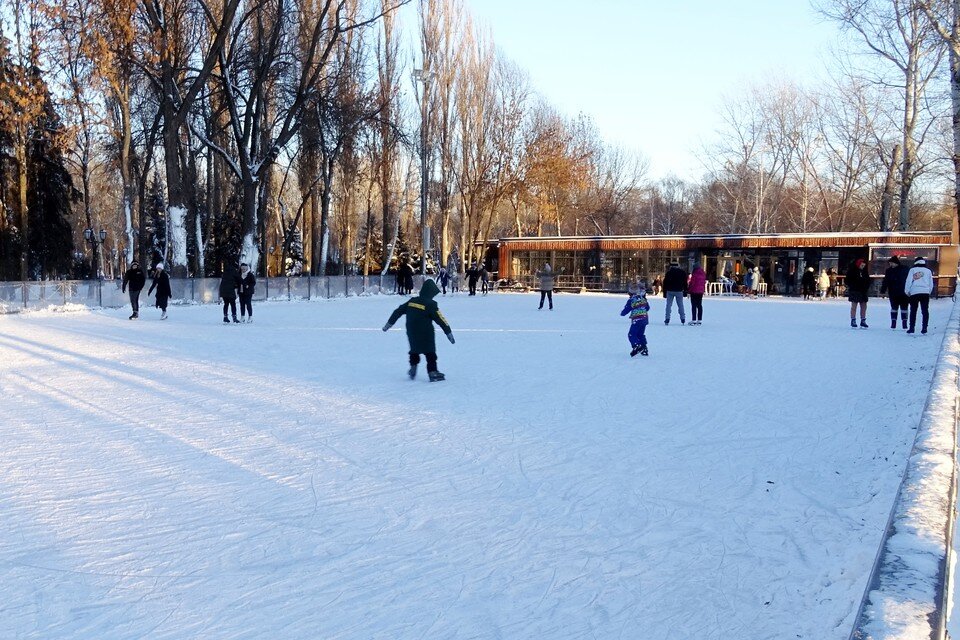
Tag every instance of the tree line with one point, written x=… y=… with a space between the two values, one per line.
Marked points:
x=292 y=135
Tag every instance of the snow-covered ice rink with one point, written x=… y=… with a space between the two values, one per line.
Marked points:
x=186 y=479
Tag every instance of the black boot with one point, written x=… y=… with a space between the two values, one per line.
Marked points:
x=436 y=376
x=412 y=372
x=635 y=350
x=643 y=351
x=226 y=319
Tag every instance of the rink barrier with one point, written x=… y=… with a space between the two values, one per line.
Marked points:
x=908 y=593
x=107 y=294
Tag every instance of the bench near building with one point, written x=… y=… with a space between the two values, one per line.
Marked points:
x=611 y=263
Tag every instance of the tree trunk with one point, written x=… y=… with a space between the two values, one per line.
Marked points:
x=20 y=153
x=890 y=185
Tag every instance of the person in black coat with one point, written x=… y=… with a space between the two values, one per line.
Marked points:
x=228 y=293
x=245 y=289
x=443 y=279
x=134 y=278
x=473 y=274
x=675 y=288
x=405 y=278
x=894 y=281
x=858 y=288
x=808 y=283
x=161 y=282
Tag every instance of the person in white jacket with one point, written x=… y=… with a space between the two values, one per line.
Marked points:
x=918 y=288
x=823 y=284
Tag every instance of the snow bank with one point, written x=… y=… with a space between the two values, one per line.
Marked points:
x=906 y=598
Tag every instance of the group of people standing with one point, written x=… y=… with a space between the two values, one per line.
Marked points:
x=677 y=285
x=816 y=287
x=232 y=287
x=135 y=279
x=907 y=288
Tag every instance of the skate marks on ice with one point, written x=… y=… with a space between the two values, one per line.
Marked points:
x=182 y=483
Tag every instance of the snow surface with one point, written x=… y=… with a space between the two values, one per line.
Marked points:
x=905 y=603
x=186 y=479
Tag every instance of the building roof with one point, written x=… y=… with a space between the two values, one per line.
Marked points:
x=727 y=241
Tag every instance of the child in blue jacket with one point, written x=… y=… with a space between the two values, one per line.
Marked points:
x=638 y=308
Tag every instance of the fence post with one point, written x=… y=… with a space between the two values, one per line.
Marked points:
x=289 y=297
x=266 y=288
x=328 y=288
x=309 y=287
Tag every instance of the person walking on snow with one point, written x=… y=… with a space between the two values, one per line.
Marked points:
x=422 y=312
x=919 y=286
x=675 y=288
x=484 y=280
x=747 y=282
x=161 y=282
x=823 y=284
x=135 y=279
x=444 y=279
x=247 y=284
x=639 y=310
x=808 y=283
x=228 y=293
x=473 y=274
x=755 y=283
x=696 y=287
x=546 y=284
x=858 y=286
x=894 y=281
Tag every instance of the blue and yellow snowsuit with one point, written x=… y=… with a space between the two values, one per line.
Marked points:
x=639 y=309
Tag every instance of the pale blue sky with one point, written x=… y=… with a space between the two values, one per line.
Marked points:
x=652 y=74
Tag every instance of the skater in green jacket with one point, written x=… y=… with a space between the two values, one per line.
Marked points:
x=422 y=312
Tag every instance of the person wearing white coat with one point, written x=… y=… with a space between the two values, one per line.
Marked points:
x=918 y=288
x=823 y=284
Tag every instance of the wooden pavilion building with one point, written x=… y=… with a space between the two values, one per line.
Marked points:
x=611 y=263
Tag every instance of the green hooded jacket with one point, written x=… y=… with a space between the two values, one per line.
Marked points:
x=422 y=312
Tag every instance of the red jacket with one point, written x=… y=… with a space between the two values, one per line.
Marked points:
x=698 y=281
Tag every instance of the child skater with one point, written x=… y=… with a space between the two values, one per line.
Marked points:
x=422 y=312
x=638 y=308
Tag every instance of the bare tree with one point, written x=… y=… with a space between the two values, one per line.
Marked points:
x=898 y=34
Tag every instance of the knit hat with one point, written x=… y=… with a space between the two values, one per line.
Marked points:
x=920 y=262
x=894 y=260
x=159 y=266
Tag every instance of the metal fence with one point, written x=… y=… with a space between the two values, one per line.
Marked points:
x=21 y=296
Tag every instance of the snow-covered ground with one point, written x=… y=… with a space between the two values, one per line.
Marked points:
x=186 y=479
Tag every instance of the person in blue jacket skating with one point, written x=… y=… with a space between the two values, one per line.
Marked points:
x=639 y=309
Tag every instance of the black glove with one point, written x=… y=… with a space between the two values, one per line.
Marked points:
x=450 y=338
x=387 y=326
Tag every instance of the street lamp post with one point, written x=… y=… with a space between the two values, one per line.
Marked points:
x=424 y=76
x=95 y=240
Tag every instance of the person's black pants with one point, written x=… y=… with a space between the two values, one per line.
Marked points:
x=473 y=288
x=135 y=301
x=921 y=300
x=431 y=360
x=899 y=304
x=246 y=305
x=548 y=295
x=696 y=306
x=230 y=303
